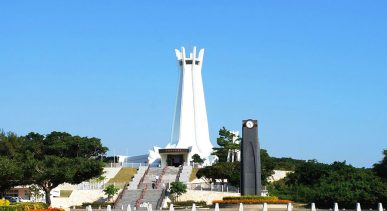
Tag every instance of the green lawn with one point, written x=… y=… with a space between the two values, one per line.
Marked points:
x=193 y=174
x=125 y=175
x=65 y=193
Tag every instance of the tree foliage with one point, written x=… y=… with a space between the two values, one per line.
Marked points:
x=286 y=164
x=10 y=174
x=49 y=160
x=197 y=159
x=267 y=166
x=177 y=189
x=325 y=184
x=381 y=168
x=110 y=191
x=226 y=143
x=230 y=171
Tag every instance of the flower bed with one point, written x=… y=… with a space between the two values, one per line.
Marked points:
x=250 y=197
x=23 y=206
x=4 y=202
x=50 y=209
x=252 y=201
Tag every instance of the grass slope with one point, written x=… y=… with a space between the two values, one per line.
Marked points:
x=65 y=193
x=125 y=175
x=193 y=174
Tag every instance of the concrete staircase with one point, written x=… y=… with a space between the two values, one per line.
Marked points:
x=170 y=175
x=185 y=174
x=136 y=179
x=151 y=177
x=128 y=197
x=150 y=196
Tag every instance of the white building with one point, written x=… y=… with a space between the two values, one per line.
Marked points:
x=190 y=126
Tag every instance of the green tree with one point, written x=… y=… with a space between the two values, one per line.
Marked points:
x=325 y=184
x=226 y=144
x=381 y=168
x=10 y=174
x=286 y=164
x=110 y=191
x=308 y=174
x=197 y=159
x=56 y=158
x=177 y=189
x=35 y=191
x=230 y=171
x=267 y=166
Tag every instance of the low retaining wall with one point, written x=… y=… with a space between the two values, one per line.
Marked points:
x=207 y=196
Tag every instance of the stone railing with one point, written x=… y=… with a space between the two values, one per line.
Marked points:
x=142 y=178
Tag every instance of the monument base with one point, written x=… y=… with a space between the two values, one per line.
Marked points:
x=174 y=157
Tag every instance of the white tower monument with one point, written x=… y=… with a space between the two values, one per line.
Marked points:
x=190 y=126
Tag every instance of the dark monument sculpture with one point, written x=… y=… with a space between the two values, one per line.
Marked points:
x=250 y=159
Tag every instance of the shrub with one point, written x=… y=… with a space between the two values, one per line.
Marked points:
x=110 y=191
x=252 y=201
x=96 y=204
x=4 y=202
x=50 y=209
x=254 y=197
x=189 y=203
x=24 y=206
x=177 y=189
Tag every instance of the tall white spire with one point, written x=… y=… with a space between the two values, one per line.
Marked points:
x=190 y=126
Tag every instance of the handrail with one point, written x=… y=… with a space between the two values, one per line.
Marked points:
x=139 y=200
x=143 y=177
x=119 y=197
x=161 y=176
x=161 y=199
x=178 y=173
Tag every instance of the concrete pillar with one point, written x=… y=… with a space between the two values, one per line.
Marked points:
x=264 y=208
x=217 y=207
x=335 y=207
x=313 y=207
x=380 y=207
x=289 y=207
x=358 y=208
x=240 y=207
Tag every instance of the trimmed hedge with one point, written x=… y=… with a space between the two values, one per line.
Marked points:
x=250 y=197
x=252 y=201
x=96 y=204
x=50 y=209
x=24 y=206
x=189 y=203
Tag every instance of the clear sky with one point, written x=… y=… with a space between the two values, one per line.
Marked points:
x=314 y=73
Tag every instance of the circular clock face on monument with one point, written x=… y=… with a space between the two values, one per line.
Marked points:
x=249 y=124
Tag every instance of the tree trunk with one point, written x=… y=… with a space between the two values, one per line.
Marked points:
x=47 y=195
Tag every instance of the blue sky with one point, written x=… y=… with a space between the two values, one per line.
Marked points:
x=314 y=73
